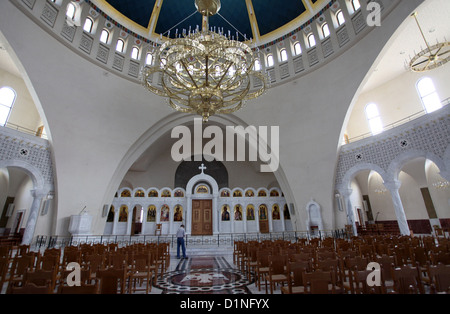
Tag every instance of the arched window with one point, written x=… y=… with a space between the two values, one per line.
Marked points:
x=270 y=61
x=7 y=99
x=283 y=55
x=257 y=65
x=325 y=30
x=311 y=40
x=374 y=119
x=297 y=48
x=340 y=18
x=120 y=45
x=104 y=37
x=71 y=10
x=356 y=5
x=427 y=92
x=135 y=53
x=149 y=59
x=88 y=25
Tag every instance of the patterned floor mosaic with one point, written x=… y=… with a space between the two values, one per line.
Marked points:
x=204 y=275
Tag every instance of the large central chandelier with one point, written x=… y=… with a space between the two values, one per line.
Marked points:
x=204 y=72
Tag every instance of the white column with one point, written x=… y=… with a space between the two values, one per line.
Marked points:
x=283 y=222
x=349 y=207
x=393 y=188
x=144 y=218
x=38 y=196
x=188 y=224
x=215 y=213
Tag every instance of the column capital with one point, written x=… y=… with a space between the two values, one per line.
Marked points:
x=392 y=185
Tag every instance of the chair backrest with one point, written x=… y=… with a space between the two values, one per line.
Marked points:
x=30 y=288
x=318 y=281
x=407 y=280
x=277 y=264
x=111 y=280
x=440 y=277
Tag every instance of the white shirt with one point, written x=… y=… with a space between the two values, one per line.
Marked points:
x=180 y=233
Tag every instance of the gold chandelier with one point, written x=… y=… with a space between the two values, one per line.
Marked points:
x=431 y=57
x=204 y=72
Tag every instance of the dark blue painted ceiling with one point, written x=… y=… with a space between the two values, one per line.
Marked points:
x=233 y=16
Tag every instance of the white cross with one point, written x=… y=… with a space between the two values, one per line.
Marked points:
x=202 y=167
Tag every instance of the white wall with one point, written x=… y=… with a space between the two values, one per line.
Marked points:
x=24 y=113
x=440 y=197
x=396 y=99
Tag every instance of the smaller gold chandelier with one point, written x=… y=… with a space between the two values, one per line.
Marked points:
x=430 y=58
x=204 y=72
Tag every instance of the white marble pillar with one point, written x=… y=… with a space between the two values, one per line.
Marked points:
x=215 y=213
x=349 y=208
x=144 y=219
x=38 y=196
x=188 y=224
x=393 y=187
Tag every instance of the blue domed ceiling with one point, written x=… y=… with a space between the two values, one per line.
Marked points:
x=164 y=16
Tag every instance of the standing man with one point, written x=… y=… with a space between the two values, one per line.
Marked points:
x=180 y=242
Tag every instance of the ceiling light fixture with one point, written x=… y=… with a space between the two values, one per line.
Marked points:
x=431 y=57
x=204 y=72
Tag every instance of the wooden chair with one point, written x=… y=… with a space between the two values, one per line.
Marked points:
x=358 y=279
x=263 y=267
x=112 y=281
x=320 y=282
x=41 y=277
x=407 y=280
x=295 y=272
x=141 y=272
x=277 y=271
x=439 y=278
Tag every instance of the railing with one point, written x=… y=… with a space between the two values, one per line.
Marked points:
x=396 y=123
x=224 y=240
x=22 y=129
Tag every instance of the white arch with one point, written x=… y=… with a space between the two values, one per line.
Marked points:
x=399 y=162
x=352 y=172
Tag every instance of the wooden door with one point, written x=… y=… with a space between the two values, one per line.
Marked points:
x=202 y=217
x=263 y=219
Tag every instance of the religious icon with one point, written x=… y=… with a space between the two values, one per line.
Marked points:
x=274 y=193
x=178 y=216
x=225 y=213
x=225 y=193
x=262 y=212
x=237 y=193
x=262 y=193
x=151 y=213
x=123 y=214
x=275 y=212
x=165 y=213
x=153 y=193
x=202 y=189
x=250 y=212
x=238 y=213
x=179 y=193
x=166 y=193
x=249 y=193
x=125 y=193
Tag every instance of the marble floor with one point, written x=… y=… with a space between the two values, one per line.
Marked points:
x=207 y=270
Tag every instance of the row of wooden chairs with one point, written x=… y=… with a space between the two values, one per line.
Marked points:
x=103 y=268
x=345 y=262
